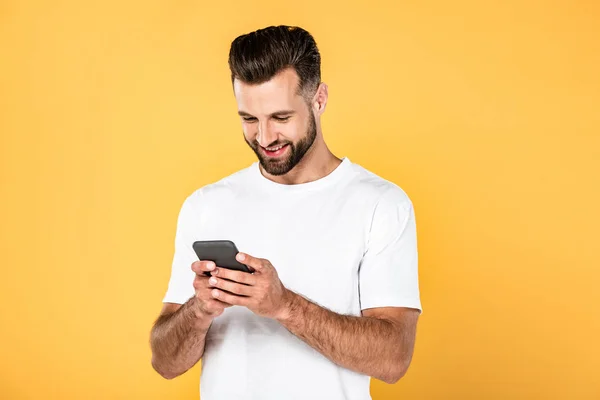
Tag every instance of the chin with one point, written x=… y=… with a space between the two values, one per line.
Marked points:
x=276 y=168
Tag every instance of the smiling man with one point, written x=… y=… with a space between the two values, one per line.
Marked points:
x=333 y=298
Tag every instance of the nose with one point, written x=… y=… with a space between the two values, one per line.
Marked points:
x=266 y=134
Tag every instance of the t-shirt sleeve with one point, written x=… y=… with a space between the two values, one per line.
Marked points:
x=388 y=273
x=181 y=283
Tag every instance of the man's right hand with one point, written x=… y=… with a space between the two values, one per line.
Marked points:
x=209 y=307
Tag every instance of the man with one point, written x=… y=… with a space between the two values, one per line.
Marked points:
x=333 y=298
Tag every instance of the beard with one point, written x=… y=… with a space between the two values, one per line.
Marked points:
x=283 y=165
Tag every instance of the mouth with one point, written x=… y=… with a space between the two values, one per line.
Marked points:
x=275 y=151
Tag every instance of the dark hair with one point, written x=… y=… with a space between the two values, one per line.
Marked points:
x=258 y=56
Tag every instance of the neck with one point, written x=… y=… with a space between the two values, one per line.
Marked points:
x=318 y=162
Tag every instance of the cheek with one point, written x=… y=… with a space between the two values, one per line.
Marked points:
x=249 y=130
x=293 y=131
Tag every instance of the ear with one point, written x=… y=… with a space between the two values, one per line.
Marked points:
x=320 y=99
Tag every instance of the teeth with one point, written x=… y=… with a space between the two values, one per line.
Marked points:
x=275 y=148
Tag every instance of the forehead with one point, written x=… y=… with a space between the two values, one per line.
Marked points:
x=280 y=92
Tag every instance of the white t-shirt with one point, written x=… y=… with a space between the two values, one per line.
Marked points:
x=346 y=241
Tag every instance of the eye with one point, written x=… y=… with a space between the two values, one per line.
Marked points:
x=249 y=119
x=281 y=119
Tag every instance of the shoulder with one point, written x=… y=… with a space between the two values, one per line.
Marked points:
x=221 y=190
x=382 y=192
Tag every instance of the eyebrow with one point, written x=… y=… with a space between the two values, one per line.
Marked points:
x=275 y=114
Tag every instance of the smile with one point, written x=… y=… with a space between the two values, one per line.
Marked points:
x=275 y=151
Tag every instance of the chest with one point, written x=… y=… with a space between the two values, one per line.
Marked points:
x=315 y=243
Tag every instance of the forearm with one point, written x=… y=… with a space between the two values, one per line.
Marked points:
x=177 y=340
x=370 y=346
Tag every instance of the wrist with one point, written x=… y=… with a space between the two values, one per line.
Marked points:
x=290 y=305
x=200 y=319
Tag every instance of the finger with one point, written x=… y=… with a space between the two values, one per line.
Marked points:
x=229 y=298
x=203 y=266
x=199 y=283
x=236 y=276
x=205 y=297
x=256 y=263
x=230 y=286
x=203 y=288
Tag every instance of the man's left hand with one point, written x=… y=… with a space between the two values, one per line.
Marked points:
x=261 y=291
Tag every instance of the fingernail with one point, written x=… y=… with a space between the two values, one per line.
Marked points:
x=210 y=265
x=215 y=293
x=212 y=281
x=215 y=272
x=241 y=256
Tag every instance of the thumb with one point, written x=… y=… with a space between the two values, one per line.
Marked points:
x=254 y=263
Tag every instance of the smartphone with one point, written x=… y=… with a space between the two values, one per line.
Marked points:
x=221 y=252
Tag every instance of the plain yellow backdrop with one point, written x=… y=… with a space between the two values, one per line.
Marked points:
x=485 y=113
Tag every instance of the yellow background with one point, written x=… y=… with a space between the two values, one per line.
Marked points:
x=485 y=113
